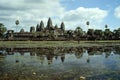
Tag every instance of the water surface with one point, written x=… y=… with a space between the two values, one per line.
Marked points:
x=57 y=63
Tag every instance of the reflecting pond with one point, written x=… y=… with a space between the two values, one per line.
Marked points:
x=58 y=63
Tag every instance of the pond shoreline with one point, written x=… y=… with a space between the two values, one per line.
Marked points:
x=32 y=44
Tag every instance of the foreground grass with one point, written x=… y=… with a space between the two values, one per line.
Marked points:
x=57 y=43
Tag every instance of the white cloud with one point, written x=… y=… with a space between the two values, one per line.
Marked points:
x=31 y=12
x=117 y=12
x=79 y=16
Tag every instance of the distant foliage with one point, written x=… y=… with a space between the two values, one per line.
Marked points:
x=3 y=29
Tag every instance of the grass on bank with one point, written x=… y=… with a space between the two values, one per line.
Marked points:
x=57 y=43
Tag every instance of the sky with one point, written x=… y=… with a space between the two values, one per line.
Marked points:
x=73 y=13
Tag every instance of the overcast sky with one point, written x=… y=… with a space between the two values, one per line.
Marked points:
x=72 y=12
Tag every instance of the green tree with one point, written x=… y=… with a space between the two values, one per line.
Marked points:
x=90 y=34
x=98 y=34
x=106 y=26
x=79 y=33
x=107 y=33
x=88 y=23
x=3 y=29
x=116 y=34
x=70 y=34
x=17 y=23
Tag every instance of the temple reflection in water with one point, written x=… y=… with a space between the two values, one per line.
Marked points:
x=55 y=53
x=67 y=63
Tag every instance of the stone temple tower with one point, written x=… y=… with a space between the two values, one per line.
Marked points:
x=49 y=24
x=41 y=25
x=62 y=26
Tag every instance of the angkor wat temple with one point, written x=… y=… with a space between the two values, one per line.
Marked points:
x=41 y=32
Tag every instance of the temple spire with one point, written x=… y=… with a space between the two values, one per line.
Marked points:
x=37 y=27
x=49 y=23
x=62 y=26
x=41 y=25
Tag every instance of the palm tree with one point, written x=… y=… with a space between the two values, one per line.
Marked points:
x=106 y=26
x=107 y=33
x=17 y=23
x=79 y=33
x=88 y=23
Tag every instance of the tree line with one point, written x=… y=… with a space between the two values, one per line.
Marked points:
x=98 y=34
